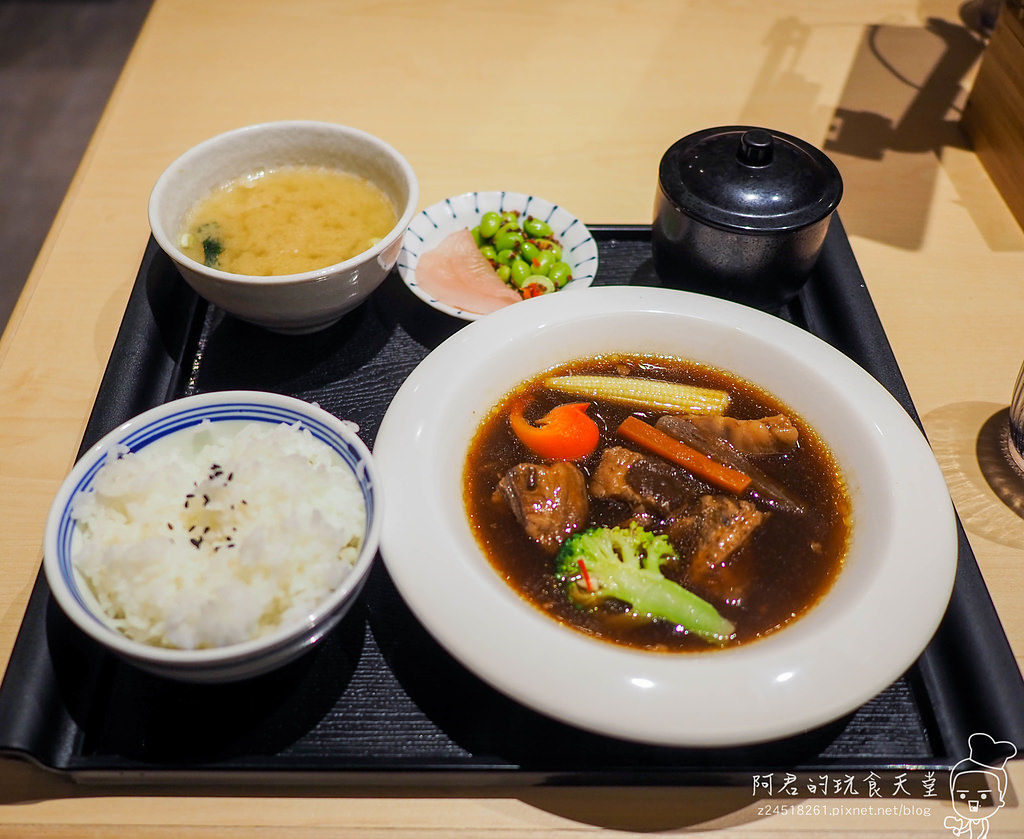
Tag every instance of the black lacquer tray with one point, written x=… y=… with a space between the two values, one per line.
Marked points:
x=379 y=701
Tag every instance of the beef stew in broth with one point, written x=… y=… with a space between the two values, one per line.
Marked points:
x=666 y=528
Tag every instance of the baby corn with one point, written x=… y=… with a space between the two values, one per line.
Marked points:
x=644 y=393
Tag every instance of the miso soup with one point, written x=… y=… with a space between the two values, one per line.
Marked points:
x=287 y=221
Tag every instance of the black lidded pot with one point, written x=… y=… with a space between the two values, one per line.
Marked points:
x=741 y=212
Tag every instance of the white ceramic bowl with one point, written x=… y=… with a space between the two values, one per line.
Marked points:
x=291 y=303
x=429 y=227
x=235 y=661
x=866 y=631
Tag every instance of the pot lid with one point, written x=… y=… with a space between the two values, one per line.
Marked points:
x=747 y=178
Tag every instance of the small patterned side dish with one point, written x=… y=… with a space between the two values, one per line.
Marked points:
x=429 y=227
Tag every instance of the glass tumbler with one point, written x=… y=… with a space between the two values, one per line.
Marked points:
x=1015 y=445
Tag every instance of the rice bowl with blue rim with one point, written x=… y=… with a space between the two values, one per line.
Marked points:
x=165 y=425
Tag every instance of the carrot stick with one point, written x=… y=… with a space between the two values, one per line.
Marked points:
x=700 y=464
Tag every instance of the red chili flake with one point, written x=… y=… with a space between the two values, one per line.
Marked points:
x=586 y=576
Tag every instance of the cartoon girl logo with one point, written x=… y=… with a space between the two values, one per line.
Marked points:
x=977 y=785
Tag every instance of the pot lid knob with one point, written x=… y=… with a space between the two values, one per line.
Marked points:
x=756 y=147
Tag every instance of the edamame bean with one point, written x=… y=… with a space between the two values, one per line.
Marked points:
x=489 y=252
x=489 y=224
x=560 y=273
x=542 y=264
x=529 y=251
x=536 y=228
x=508 y=239
x=520 y=271
x=541 y=281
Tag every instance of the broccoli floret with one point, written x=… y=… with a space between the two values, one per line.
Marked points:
x=624 y=564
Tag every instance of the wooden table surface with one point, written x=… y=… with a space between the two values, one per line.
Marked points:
x=575 y=101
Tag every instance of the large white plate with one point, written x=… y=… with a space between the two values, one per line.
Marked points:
x=869 y=628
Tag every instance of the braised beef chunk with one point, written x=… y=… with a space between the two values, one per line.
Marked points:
x=647 y=485
x=550 y=502
x=712 y=533
x=770 y=435
x=770 y=491
x=609 y=478
x=663 y=487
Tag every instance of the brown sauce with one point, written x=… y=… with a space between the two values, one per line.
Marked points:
x=781 y=572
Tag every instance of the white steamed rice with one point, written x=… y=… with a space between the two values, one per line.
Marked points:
x=218 y=534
